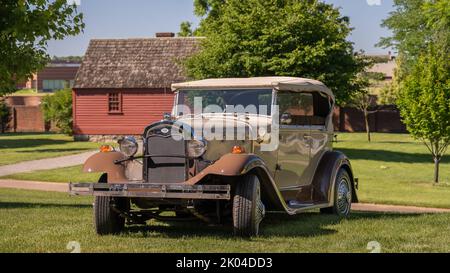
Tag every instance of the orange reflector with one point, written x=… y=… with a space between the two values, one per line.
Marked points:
x=237 y=150
x=106 y=148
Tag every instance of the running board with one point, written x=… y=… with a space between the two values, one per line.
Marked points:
x=302 y=207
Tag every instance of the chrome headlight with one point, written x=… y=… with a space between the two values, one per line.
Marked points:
x=128 y=146
x=196 y=148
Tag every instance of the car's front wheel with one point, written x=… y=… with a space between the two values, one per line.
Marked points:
x=107 y=218
x=342 y=195
x=248 y=209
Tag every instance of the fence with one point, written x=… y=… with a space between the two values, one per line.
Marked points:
x=386 y=119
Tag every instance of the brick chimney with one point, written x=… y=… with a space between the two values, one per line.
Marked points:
x=165 y=35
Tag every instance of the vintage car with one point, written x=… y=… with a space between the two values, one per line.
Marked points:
x=231 y=151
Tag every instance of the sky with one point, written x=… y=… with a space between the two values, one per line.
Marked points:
x=143 y=18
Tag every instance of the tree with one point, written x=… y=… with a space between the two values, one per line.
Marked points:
x=25 y=28
x=424 y=103
x=5 y=116
x=58 y=109
x=278 y=37
x=363 y=100
x=415 y=25
x=68 y=59
x=421 y=33
x=185 y=29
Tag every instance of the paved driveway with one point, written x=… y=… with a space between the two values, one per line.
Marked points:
x=45 y=164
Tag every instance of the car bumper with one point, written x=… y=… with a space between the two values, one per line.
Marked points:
x=150 y=190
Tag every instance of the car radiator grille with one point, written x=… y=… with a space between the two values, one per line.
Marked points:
x=163 y=166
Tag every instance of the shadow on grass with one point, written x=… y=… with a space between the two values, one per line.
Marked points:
x=388 y=156
x=23 y=205
x=274 y=225
x=29 y=143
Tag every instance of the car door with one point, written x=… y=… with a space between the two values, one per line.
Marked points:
x=294 y=150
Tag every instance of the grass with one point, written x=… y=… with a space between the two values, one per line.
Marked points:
x=28 y=92
x=32 y=221
x=65 y=175
x=395 y=169
x=18 y=147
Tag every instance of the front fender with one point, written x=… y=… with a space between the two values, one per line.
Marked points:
x=104 y=163
x=240 y=164
x=229 y=165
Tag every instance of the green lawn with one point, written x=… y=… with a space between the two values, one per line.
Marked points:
x=69 y=174
x=18 y=147
x=395 y=169
x=33 y=221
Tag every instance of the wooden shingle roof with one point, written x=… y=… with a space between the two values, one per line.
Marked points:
x=134 y=63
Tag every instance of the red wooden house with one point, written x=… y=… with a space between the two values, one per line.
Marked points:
x=123 y=85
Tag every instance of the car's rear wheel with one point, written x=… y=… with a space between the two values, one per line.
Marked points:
x=107 y=218
x=342 y=195
x=248 y=209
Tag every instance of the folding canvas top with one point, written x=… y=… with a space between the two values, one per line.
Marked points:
x=278 y=83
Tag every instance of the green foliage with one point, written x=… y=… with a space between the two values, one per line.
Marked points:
x=408 y=25
x=387 y=95
x=374 y=76
x=379 y=58
x=416 y=24
x=5 y=116
x=278 y=37
x=424 y=102
x=68 y=59
x=58 y=109
x=25 y=28
x=208 y=8
x=185 y=29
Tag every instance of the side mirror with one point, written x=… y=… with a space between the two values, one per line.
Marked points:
x=286 y=119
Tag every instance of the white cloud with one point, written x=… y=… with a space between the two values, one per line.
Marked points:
x=374 y=2
x=72 y=2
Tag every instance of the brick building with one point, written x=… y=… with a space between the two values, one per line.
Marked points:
x=55 y=76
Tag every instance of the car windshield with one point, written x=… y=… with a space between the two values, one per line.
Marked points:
x=250 y=101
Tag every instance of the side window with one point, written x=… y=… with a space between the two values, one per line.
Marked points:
x=114 y=103
x=295 y=108
x=52 y=85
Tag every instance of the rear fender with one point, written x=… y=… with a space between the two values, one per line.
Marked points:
x=104 y=163
x=325 y=177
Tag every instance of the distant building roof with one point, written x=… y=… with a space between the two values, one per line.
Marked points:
x=386 y=68
x=134 y=63
x=64 y=64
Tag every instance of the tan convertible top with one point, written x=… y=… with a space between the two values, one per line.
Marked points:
x=279 y=83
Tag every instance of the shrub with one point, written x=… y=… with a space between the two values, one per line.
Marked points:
x=5 y=116
x=58 y=109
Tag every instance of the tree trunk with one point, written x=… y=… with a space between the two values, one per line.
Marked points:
x=366 y=119
x=436 y=170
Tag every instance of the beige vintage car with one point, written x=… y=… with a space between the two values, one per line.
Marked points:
x=231 y=151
